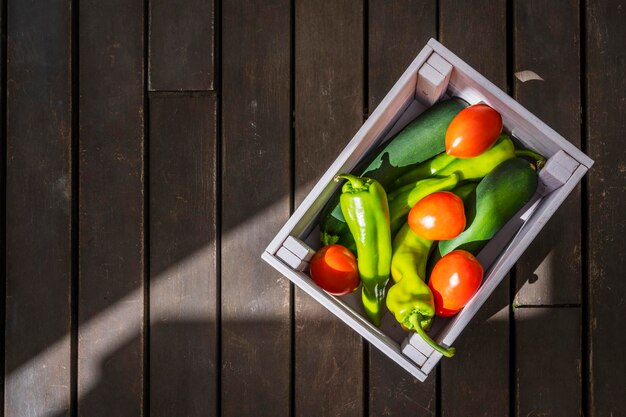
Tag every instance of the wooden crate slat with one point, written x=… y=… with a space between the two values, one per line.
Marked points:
x=328 y=111
x=38 y=209
x=605 y=126
x=397 y=31
x=111 y=208
x=183 y=344
x=181 y=54
x=256 y=184
x=549 y=272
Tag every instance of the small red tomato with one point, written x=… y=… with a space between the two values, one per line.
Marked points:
x=454 y=281
x=473 y=131
x=438 y=216
x=334 y=269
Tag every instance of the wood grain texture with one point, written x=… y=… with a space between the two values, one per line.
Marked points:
x=398 y=30
x=483 y=347
x=183 y=345
x=181 y=45
x=3 y=205
x=38 y=209
x=328 y=110
x=548 y=367
x=606 y=107
x=256 y=128
x=395 y=392
x=549 y=272
x=111 y=208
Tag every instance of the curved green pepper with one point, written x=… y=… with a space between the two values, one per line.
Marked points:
x=467 y=168
x=409 y=299
x=400 y=203
x=363 y=203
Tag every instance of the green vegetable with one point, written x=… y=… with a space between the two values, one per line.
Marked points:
x=405 y=197
x=465 y=190
x=422 y=139
x=501 y=194
x=409 y=299
x=468 y=168
x=364 y=204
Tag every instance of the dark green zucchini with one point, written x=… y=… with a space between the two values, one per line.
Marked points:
x=420 y=140
x=501 y=194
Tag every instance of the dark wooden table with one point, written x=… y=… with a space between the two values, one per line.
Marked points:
x=151 y=149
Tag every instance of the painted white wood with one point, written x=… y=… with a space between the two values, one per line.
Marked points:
x=290 y=259
x=557 y=171
x=432 y=361
x=441 y=65
x=410 y=351
x=430 y=85
x=299 y=248
x=418 y=343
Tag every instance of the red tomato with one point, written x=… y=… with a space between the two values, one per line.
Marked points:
x=438 y=216
x=334 y=269
x=454 y=281
x=473 y=131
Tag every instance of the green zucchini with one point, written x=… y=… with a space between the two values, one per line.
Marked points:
x=501 y=194
x=420 y=140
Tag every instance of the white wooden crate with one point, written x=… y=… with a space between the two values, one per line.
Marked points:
x=436 y=72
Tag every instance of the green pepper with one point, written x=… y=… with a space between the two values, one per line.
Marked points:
x=364 y=205
x=400 y=203
x=409 y=299
x=467 y=168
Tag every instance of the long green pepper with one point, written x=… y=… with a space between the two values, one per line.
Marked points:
x=364 y=205
x=409 y=299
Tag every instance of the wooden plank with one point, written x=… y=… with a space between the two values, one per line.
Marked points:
x=398 y=30
x=605 y=122
x=328 y=111
x=484 y=47
x=38 y=209
x=256 y=119
x=548 y=381
x=111 y=206
x=395 y=392
x=183 y=345
x=3 y=205
x=181 y=45
x=549 y=272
